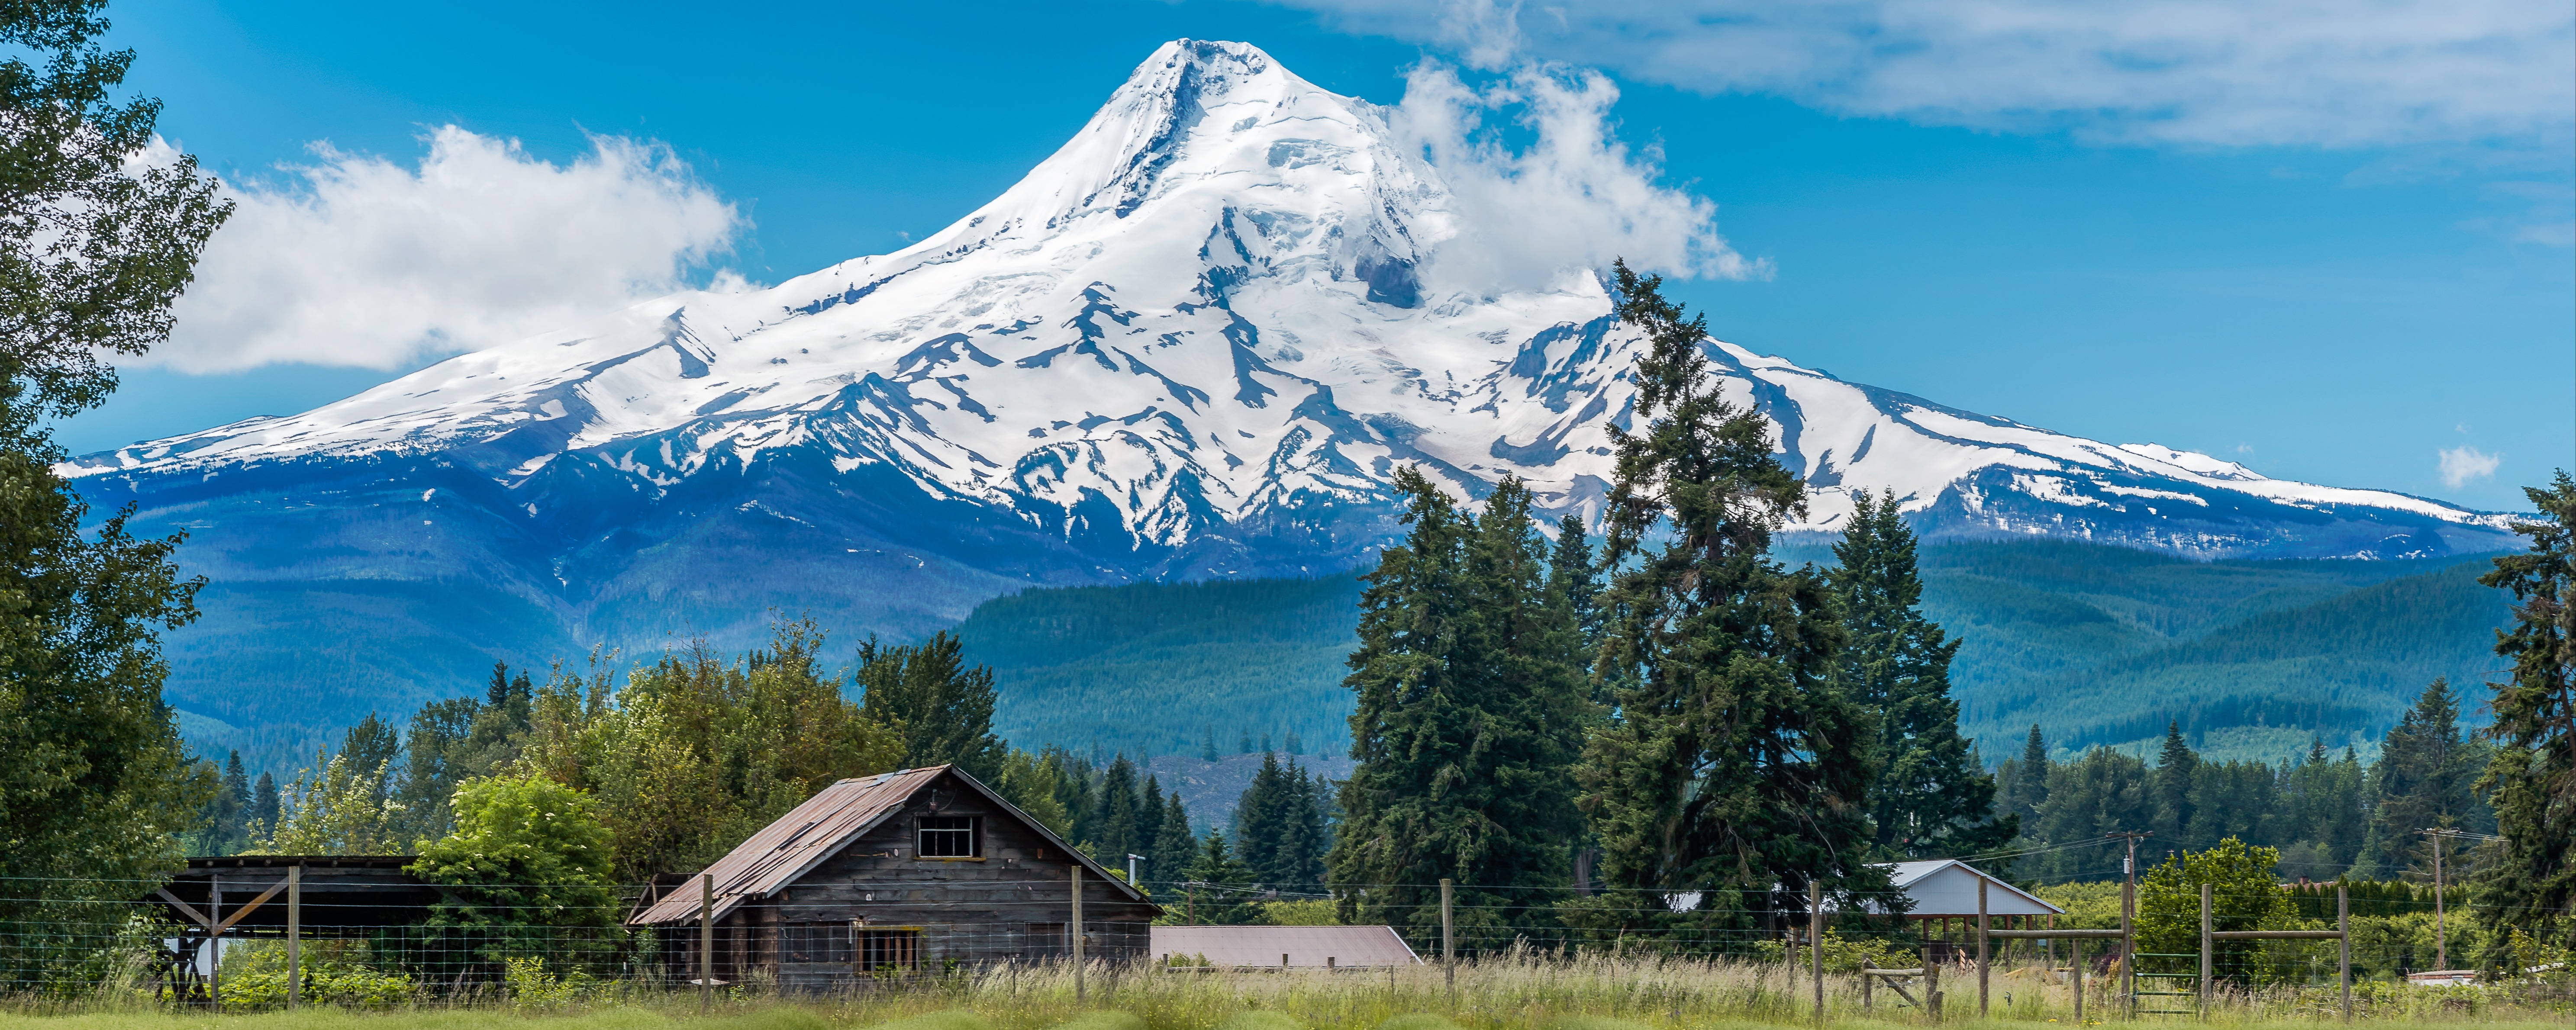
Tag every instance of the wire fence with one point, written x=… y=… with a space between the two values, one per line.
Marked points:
x=454 y=950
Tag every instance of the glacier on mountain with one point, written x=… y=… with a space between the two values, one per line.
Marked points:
x=1196 y=341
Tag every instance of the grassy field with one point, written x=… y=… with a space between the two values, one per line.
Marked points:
x=1588 y=994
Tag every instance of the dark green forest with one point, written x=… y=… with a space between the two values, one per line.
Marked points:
x=2101 y=645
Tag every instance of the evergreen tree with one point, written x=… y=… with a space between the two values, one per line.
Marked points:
x=1207 y=747
x=2099 y=792
x=1470 y=712
x=943 y=708
x=1929 y=798
x=1169 y=862
x=1281 y=828
x=1733 y=766
x=1073 y=791
x=2175 y=765
x=264 y=807
x=372 y=745
x=95 y=784
x=2423 y=779
x=1149 y=816
x=226 y=814
x=2531 y=779
x=1113 y=824
x=2023 y=782
x=1218 y=889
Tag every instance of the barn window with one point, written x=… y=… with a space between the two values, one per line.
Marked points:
x=950 y=836
x=889 y=950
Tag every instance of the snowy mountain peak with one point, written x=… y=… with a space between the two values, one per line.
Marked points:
x=1194 y=340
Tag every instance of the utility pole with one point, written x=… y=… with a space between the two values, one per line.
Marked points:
x=2441 y=937
x=2128 y=917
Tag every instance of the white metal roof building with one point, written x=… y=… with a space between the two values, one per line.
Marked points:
x=1946 y=888
x=1297 y=946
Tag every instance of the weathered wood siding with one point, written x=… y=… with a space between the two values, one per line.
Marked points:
x=1010 y=903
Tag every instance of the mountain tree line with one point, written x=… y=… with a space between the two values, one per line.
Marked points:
x=1720 y=729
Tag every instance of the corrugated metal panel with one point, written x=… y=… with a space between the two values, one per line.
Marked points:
x=1948 y=887
x=787 y=847
x=1304 y=946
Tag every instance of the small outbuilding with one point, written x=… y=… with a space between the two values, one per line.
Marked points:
x=1277 y=947
x=1944 y=892
x=917 y=870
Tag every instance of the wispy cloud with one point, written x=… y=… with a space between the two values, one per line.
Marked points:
x=2464 y=464
x=1573 y=198
x=2214 y=72
x=355 y=260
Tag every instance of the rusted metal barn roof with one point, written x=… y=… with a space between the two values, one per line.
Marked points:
x=1300 y=946
x=784 y=850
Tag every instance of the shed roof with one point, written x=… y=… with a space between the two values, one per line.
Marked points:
x=1314 y=946
x=782 y=851
x=1948 y=887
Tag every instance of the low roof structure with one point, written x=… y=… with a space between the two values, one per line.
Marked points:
x=818 y=829
x=1946 y=888
x=336 y=890
x=1297 y=946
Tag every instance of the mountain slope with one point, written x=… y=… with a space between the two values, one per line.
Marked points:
x=1193 y=343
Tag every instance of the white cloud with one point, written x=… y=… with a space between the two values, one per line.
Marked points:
x=357 y=261
x=2225 y=72
x=2464 y=463
x=1573 y=198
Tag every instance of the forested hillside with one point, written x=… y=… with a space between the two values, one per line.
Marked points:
x=2101 y=645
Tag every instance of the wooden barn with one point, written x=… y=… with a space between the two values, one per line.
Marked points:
x=914 y=871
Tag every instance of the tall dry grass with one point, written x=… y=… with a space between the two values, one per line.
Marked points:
x=1519 y=991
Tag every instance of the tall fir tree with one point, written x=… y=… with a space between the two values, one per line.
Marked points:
x=264 y=806
x=2024 y=784
x=1733 y=766
x=2176 y=765
x=2423 y=779
x=1930 y=797
x=1169 y=862
x=1470 y=712
x=1113 y=824
x=1218 y=889
x=943 y=707
x=2531 y=778
x=1281 y=828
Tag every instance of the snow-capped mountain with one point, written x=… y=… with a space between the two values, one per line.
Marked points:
x=1195 y=341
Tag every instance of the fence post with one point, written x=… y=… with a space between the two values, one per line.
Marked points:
x=2204 y=951
x=1816 y=941
x=706 y=942
x=1076 y=930
x=1983 y=924
x=215 y=941
x=2075 y=970
x=1866 y=1002
x=294 y=935
x=1931 y=984
x=1448 y=945
x=2343 y=945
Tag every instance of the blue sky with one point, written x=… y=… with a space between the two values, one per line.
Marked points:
x=2228 y=248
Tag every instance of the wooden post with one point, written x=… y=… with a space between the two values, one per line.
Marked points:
x=706 y=942
x=2075 y=974
x=294 y=935
x=2204 y=951
x=1931 y=985
x=1816 y=941
x=1984 y=923
x=215 y=940
x=1448 y=945
x=1866 y=1003
x=1076 y=930
x=2343 y=945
